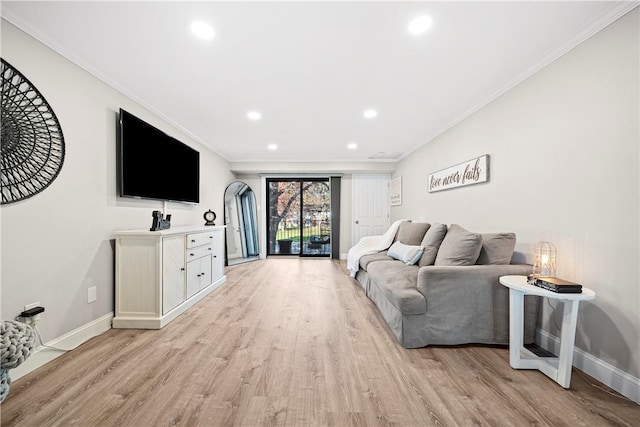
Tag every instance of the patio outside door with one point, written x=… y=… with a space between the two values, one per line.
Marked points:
x=299 y=217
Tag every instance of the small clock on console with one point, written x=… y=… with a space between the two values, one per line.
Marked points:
x=209 y=217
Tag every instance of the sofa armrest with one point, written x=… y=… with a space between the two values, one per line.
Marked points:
x=443 y=281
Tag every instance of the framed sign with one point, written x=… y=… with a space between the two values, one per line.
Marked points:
x=471 y=172
x=395 y=191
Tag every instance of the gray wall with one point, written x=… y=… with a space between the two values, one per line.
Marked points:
x=58 y=243
x=564 y=168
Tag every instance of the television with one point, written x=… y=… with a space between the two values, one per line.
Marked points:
x=154 y=165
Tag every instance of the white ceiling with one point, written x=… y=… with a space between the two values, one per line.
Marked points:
x=312 y=68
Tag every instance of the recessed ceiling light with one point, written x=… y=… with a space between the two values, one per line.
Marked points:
x=420 y=24
x=352 y=146
x=370 y=114
x=202 y=30
x=272 y=147
x=254 y=115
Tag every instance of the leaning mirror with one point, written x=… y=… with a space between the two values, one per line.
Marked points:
x=242 y=225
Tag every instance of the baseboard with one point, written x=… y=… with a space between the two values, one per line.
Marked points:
x=622 y=382
x=69 y=341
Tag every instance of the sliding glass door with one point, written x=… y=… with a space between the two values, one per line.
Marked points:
x=299 y=217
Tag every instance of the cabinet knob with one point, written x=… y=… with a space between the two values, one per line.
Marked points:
x=209 y=248
x=191 y=254
x=182 y=269
x=202 y=274
x=193 y=240
x=211 y=237
x=215 y=256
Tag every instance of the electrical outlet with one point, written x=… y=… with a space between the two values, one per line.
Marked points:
x=33 y=321
x=92 y=294
x=30 y=306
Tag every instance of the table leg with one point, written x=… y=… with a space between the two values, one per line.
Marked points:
x=567 y=342
x=516 y=327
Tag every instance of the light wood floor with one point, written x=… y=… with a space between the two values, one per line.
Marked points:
x=295 y=342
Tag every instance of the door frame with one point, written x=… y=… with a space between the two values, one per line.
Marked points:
x=301 y=179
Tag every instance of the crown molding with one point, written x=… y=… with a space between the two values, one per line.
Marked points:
x=603 y=21
x=61 y=50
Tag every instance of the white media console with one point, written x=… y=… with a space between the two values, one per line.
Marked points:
x=160 y=274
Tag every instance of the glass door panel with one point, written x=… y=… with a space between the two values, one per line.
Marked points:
x=299 y=217
x=283 y=221
x=316 y=215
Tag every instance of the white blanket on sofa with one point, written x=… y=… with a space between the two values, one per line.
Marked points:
x=370 y=245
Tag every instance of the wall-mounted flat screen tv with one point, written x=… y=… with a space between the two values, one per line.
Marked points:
x=154 y=165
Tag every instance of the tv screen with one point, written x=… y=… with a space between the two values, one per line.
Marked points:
x=154 y=165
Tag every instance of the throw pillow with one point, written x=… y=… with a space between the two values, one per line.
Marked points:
x=411 y=233
x=405 y=253
x=431 y=242
x=497 y=248
x=459 y=247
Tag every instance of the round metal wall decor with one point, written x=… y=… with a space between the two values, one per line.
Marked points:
x=32 y=146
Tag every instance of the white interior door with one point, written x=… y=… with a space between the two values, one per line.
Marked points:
x=370 y=205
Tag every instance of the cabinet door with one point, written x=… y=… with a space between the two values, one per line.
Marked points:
x=198 y=275
x=173 y=274
x=193 y=277
x=218 y=256
x=205 y=271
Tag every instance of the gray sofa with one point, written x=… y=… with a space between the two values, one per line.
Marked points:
x=452 y=294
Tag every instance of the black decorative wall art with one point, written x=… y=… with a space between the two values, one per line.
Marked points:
x=32 y=145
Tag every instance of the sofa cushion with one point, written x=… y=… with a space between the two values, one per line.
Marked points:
x=365 y=260
x=398 y=283
x=459 y=247
x=497 y=249
x=405 y=253
x=411 y=233
x=431 y=242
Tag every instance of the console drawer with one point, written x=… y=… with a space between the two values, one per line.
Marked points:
x=199 y=239
x=199 y=252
